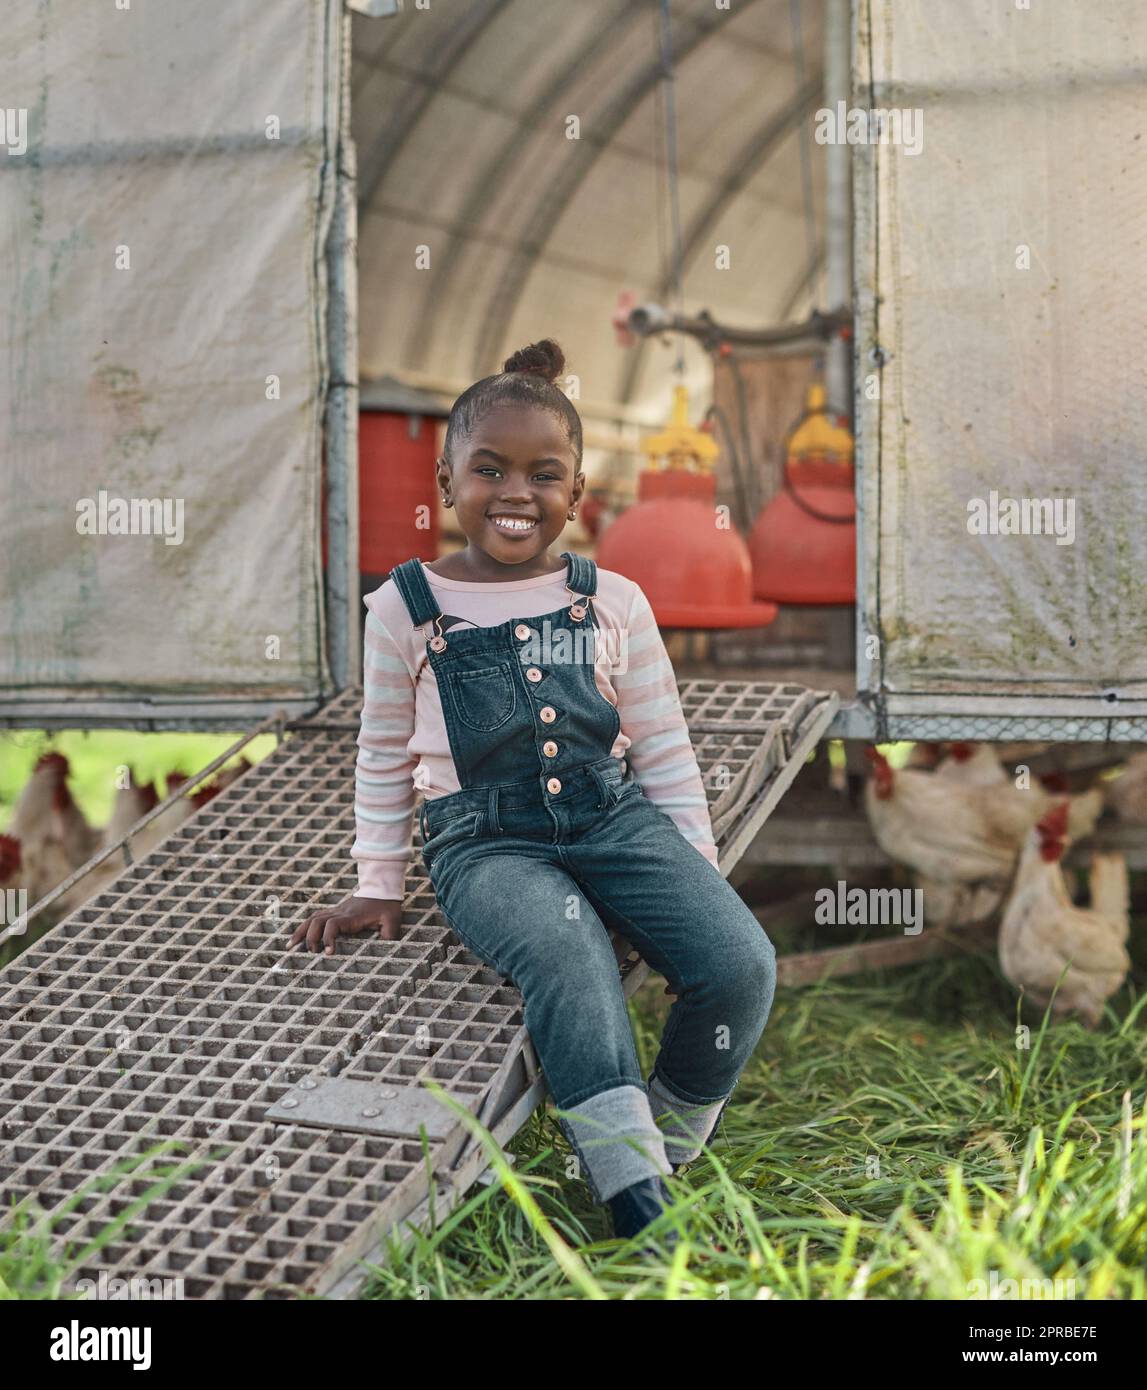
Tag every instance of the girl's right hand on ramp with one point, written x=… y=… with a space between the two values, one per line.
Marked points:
x=353 y=915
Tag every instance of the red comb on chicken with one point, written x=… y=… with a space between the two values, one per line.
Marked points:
x=1052 y=831
x=882 y=775
x=1055 y=782
x=1054 y=825
x=961 y=751
x=11 y=856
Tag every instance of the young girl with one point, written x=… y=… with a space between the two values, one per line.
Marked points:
x=533 y=702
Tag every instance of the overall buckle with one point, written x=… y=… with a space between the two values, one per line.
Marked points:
x=577 y=608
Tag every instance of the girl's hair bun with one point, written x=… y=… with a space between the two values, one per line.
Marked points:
x=544 y=359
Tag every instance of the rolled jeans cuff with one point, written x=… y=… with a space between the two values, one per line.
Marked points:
x=615 y=1139
x=685 y=1124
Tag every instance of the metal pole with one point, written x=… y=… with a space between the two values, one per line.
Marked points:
x=838 y=208
x=343 y=600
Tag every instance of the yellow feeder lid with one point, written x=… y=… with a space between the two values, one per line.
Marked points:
x=817 y=436
x=680 y=443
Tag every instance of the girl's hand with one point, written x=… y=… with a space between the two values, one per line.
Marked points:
x=351 y=916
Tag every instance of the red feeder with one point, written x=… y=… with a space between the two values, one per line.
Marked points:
x=397 y=487
x=803 y=545
x=695 y=573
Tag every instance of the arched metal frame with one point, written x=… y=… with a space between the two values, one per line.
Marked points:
x=503 y=296
x=502 y=301
x=752 y=157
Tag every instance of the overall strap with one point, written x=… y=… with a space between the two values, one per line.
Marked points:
x=582 y=576
x=416 y=593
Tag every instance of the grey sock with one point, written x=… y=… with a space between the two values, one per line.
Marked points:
x=685 y=1124
x=614 y=1136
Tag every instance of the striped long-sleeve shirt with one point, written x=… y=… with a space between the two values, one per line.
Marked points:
x=403 y=744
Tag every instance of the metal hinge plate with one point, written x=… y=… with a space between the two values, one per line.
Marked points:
x=367 y=1107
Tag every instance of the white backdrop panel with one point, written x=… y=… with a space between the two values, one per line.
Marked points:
x=148 y=130
x=1029 y=382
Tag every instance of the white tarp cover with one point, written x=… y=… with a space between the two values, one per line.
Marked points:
x=1022 y=382
x=162 y=259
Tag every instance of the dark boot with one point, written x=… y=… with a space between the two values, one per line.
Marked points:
x=639 y=1204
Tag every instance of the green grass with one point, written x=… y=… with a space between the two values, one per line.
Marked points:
x=888 y=1140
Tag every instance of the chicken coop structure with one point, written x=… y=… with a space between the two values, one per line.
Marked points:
x=164 y=1009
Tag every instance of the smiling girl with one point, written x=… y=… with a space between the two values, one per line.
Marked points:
x=562 y=796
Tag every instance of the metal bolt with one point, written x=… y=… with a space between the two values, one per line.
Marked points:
x=289 y=1104
x=370 y=1111
x=308 y=1085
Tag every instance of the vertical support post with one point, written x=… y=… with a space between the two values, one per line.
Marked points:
x=838 y=203
x=866 y=362
x=343 y=599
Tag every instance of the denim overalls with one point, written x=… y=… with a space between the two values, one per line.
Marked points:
x=549 y=843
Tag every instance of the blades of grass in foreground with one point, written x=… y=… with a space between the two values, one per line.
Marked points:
x=571 y=1264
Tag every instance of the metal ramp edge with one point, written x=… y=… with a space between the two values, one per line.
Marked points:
x=167 y=1009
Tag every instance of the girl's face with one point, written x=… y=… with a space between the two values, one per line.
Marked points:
x=514 y=483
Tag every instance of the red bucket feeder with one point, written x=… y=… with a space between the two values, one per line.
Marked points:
x=803 y=545
x=695 y=572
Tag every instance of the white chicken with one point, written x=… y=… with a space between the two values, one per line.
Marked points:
x=79 y=839
x=32 y=815
x=1127 y=793
x=131 y=804
x=927 y=755
x=951 y=832
x=972 y=765
x=953 y=904
x=35 y=857
x=1042 y=930
x=36 y=870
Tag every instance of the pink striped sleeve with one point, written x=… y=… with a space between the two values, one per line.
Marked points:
x=383 y=783
x=660 y=752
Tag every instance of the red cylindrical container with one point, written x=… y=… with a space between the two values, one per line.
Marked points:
x=397 y=497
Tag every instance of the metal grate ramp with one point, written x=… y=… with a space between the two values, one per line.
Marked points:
x=166 y=1009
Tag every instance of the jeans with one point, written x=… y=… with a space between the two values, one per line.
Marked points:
x=532 y=890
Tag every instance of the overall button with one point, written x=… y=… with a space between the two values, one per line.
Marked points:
x=533 y=674
x=553 y=785
x=550 y=748
x=547 y=714
x=522 y=631
x=577 y=612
